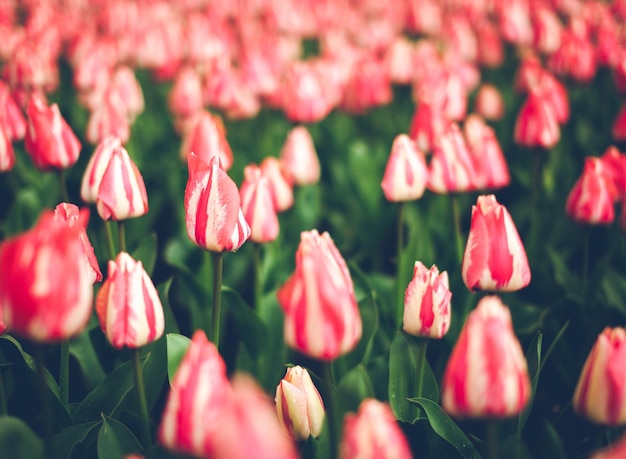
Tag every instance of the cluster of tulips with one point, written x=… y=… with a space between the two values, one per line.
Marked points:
x=241 y=59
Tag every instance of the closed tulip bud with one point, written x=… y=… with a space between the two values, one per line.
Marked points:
x=12 y=122
x=373 y=433
x=299 y=405
x=71 y=215
x=122 y=192
x=206 y=139
x=49 y=140
x=213 y=214
x=280 y=182
x=492 y=171
x=124 y=82
x=452 y=168
x=185 y=97
x=536 y=124
x=427 y=303
x=486 y=375
x=45 y=284
x=489 y=102
x=257 y=205
x=591 y=199
x=128 y=305
x=618 y=128
x=322 y=318
x=494 y=258
x=600 y=394
x=406 y=173
x=198 y=401
x=615 y=163
x=300 y=158
x=109 y=118
x=305 y=97
x=427 y=126
x=92 y=177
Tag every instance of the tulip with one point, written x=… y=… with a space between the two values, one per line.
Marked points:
x=185 y=97
x=576 y=55
x=491 y=168
x=257 y=205
x=213 y=214
x=406 y=173
x=616 y=450
x=600 y=394
x=45 y=284
x=300 y=158
x=299 y=405
x=368 y=86
x=618 y=129
x=494 y=257
x=125 y=84
x=486 y=375
x=49 y=140
x=71 y=216
x=615 y=163
x=199 y=398
x=122 y=192
x=372 y=433
x=452 y=168
x=592 y=197
x=207 y=139
x=489 y=103
x=92 y=177
x=322 y=318
x=427 y=303
x=444 y=90
x=536 y=124
x=7 y=156
x=12 y=122
x=109 y=118
x=280 y=182
x=304 y=98
x=128 y=305
x=427 y=126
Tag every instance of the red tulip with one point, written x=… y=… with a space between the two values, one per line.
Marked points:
x=92 y=177
x=536 y=124
x=322 y=318
x=198 y=402
x=128 y=305
x=615 y=164
x=452 y=168
x=257 y=205
x=494 y=259
x=7 y=156
x=45 y=284
x=367 y=86
x=372 y=433
x=492 y=171
x=49 y=140
x=427 y=126
x=600 y=394
x=427 y=303
x=299 y=157
x=212 y=207
x=406 y=173
x=12 y=122
x=486 y=375
x=592 y=197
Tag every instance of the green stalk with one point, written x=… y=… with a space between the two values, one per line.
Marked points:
x=65 y=197
x=146 y=436
x=585 y=262
x=492 y=439
x=3 y=397
x=421 y=365
x=45 y=400
x=258 y=285
x=121 y=236
x=399 y=266
x=109 y=232
x=330 y=410
x=218 y=267
x=64 y=373
x=456 y=216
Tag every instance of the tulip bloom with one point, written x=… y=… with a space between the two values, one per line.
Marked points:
x=372 y=433
x=536 y=124
x=206 y=139
x=12 y=122
x=427 y=126
x=491 y=168
x=616 y=450
x=494 y=257
x=257 y=205
x=7 y=156
x=489 y=102
x=486 y=375
x=300 y=158
x=49 y=140
x=299 y=405
x=406 y=173
x=280 y=182
x=452 y=168
x=600 y=394
x=45 y=284
x=92 y=177
x=427 y=303
x=200 y=396
x=128 y=305
x=322 y=318
x=212 y=207
x=591 y=199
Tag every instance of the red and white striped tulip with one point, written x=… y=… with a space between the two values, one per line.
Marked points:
x=489 y=103
x=373 y=433
x=128 y=305
x=427 y=303
x=486 y=375
x=452 y=168
x=45 y=285
x=12 y=121
x=300 y=158
x=92 y=177
x=427 y=126
x=406 y=173
x=213 y=214
x=206 y=139
x=492 y=171
x=591 y=199
x=7 y=156
x=615 y=163
x=494 y=258
x=257 y=205
x=322 y=318
x=600 y=394
x=280 y=182
x=536 y=124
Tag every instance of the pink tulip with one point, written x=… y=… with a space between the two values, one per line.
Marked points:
x=452 y=167
x=257 y=205
x=427 y=126
x=592 y=197
x=299 y=157
x=7 y=156
x=492 y=171
x=280 y=182
x=486 y=375
x=208 y=139
x=12 y=121
x=494 y=258
x=406 y=173
x=489 y=103
x=92 y=177
x=536 y=124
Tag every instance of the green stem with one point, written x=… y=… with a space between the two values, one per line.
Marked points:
x=492 y=439
x=218 y=267
x=421 y=365
x=330 y=410
x=537 y=156
x=399 y=266
x=258 y=285
x=3 y=397
x=585 y=262
x=456 y=215
x=65 y=197
x=121 y=236
x=109 y=232
x=64 y=372
x=45 y=400
x=146 y=436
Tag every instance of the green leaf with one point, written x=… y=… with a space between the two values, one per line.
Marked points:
x=18 y=441
x=447 y=429
x=147 y=252
x=24 y=212
x=533 y=358
x=65 y=442
x=81 y=348
x=115 y=440
x=404 y=357
x=353 y=388
x=614 y=290
x=176 y=347
x=251 y=329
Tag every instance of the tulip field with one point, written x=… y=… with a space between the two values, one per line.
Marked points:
x=278 y=229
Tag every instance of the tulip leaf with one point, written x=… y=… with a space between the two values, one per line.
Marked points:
x=115 y=440
x=65 y=442
x=250 y=328
x=404 y=361
x=23 y=213
x=446 y=428
x=147 y=252
x=533 y=359
x=176 y=347
x=18 y=441
x=81 y=348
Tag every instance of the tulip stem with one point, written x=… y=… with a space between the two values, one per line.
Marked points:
x=399 y=267
x=218 y=267
x=109 y=231
x=258 y=290
x=45 y=400
x=585 y=263
x=456 y=215
x=492 y=439
x=121 y=236
x=65 y=197
x=330 y=409
x=3 y=397
x=422 y=345
x=140 y=389
x=64 y=372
